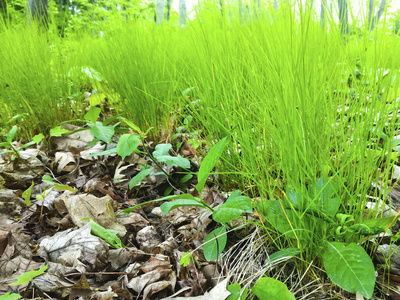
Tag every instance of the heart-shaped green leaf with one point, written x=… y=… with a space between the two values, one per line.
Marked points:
x=103 y=133
x=127 y=144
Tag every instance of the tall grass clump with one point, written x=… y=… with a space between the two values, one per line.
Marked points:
x=34 y=77
x=299 y=103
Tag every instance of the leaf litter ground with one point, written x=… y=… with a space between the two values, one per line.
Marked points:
x=55 y=230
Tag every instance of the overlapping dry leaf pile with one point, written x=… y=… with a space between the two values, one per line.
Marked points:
x=51 y=231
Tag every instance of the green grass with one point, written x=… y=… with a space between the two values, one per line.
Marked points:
x=277 y=87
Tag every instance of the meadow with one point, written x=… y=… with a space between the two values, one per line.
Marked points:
x=311 y=115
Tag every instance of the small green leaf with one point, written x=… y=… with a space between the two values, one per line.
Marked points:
x=58 y=131
x=215 y=243
x=65 y=187
x=327 y=203
x=285 y=253
x=139 y=177
x=28 y=276
x=27 y=195
x=382 y=223
x=350 y=267
x=92 y=114
x=209 y=162
x=185 y=259
x=130 y=124
x=16 y=117
x=9 y=296
x=11 y=134
x=235 y=290
x=174 y=161
x=38 y=138
x=103 y=133
x=186 y=178
x=168 y=190
x=233 y=208
x=127 y=144
x=268 y=288
x=109 y=235
x=168 y=206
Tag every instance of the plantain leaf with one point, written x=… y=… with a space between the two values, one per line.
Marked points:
x=209 y=162
x=215 y=243
x=349 y=267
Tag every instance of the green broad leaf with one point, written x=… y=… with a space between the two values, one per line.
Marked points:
x=168 y=190
x=233 y=208
x=281 y=218
x=4 y=144
x=109 y=235
x=328 y=203
x=103 y=133
x=297 y=199
x=8 y=296
x=26 y=195
x=58 y=131
x=38 y=138
x=215 y=243
x=185 y=259
x=209 y=162
x=383 y=223
x=268 y=288
x=92 y=114
x=11 y=134
x=44 y=194
x=130 y=124
x=281 y=254
x=47 y=179
x=350 y=267
x=174 y=161
x=106 y=152
x=62 y=187
x=28 y=276
x=186 y=178
x=161 y=154
x=139 y=177
x=168 y=206
x=362 y=229
x=235 y=291
x=127 y=144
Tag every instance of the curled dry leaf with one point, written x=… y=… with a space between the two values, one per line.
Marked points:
x=74 y=247
x=99 y=210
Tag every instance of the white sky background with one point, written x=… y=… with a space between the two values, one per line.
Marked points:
x=359 y=7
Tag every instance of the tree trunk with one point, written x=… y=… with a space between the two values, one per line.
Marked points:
x=276 y=4
x=323 y=8
x=159 y=11
x=169 y=3
x=375 y=19
x=38 y=10
x=182 y=13
x=343 y=17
